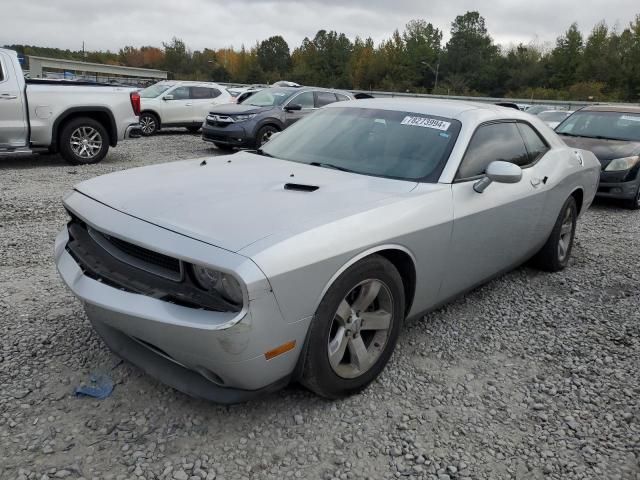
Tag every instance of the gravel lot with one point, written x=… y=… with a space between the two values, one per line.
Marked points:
x=532 y=376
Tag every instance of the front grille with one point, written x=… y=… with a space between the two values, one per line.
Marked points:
x=135 y=269
x=148 y=256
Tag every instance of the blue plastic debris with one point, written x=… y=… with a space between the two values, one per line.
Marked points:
x=100 y=387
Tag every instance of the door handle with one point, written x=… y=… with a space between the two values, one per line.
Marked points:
x=7 y=96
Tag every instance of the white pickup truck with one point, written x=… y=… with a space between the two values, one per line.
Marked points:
x=79 y=120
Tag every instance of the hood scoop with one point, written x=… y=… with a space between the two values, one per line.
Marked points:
x=299 y=187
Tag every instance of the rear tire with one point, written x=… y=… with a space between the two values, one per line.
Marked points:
x=83 y=141
x=634 y=203
x=355 y=329
x=223 y=146
x=149 y=124
x=555 y=254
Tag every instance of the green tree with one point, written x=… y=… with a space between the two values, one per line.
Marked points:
x=566 y=58
x=274 y=57
x=422 y=43
x=471 y=54
x=176 y=57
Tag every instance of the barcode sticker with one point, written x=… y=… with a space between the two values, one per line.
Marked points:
x=426 y=123
x=631 y=118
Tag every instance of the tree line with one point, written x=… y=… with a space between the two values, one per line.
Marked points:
x=603 y=65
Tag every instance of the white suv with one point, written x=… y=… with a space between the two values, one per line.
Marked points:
x=179 y=104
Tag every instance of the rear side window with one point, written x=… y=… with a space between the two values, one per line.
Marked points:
x=324 y=98
x=198 y=93
x=536 y=147
x=497 y=141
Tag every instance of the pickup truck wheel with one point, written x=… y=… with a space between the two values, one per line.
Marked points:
x=149 y=124
x=84 y=141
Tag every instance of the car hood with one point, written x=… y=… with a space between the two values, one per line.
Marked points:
x=604 y=150
x=235 y=109
x=234 y=201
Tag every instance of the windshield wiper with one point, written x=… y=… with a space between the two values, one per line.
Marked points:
x=331 y=165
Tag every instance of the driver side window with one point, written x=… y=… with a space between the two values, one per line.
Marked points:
x=305 y=100
x=181 y=93
x=497 y=141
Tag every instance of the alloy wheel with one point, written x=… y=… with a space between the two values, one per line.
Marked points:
x=360 y=328
x=147 y=124
x=86 y=142
x=566 y=231
x=266 y=136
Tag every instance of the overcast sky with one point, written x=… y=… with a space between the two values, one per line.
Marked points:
x=218 y=23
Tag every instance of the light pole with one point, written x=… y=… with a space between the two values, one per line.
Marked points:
x=436 y=71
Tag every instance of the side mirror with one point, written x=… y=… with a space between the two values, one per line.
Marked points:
x=167 y=97
x=499 y=172
x=293 y=108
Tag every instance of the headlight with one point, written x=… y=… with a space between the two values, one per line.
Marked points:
x=622 y=164
x=222 y=283
x=243 y=118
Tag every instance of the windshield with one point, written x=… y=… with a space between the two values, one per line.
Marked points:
x=155 y=90
x=609 y=125
x=270 y=97
x=554 y=116
x=402 y=145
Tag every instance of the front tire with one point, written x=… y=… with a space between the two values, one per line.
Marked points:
x=149 y=124
x=355 y=329
x=84 y=141
x=264 y=134
x=555 y=254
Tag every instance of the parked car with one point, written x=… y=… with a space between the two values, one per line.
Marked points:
x=78 y=120
x=179 y=104
x=285 y=83
x=612 y=133
x=251 y=123
x=240 y=94
x=538 y=109
x=553 y=118
x=230 y=277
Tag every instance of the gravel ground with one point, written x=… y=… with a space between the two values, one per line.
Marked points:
x=532 y=376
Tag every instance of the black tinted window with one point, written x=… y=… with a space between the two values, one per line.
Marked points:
x=499 y=141
x=180 y=93
x=1 y=71
x=324 y=98
x=535 y=145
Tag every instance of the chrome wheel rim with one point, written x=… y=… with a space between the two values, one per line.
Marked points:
x=147 y=124
x=360 y=328
x=566 y=229
x=86 y=142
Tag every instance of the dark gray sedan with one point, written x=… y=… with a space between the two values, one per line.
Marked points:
x=251 y=123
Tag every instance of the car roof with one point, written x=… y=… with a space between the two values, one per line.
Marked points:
x=613 y=108
x=438 y=107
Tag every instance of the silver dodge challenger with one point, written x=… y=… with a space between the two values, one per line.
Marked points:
x=231 y=276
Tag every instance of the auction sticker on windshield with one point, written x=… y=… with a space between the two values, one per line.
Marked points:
x=426 y=123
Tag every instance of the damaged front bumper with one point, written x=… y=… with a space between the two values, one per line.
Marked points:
x=218 y=356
